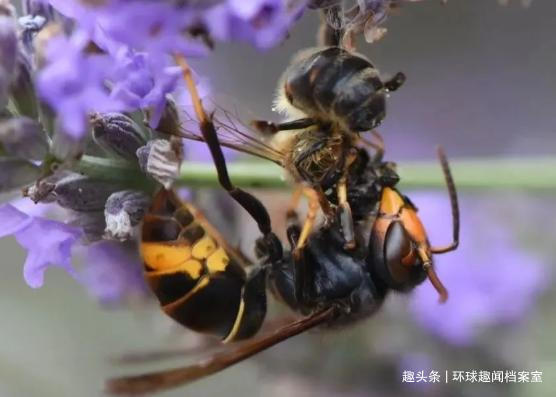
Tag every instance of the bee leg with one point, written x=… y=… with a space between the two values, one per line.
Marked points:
x=310 y=218
x=328 y=211
x=346 y=218
x=249 y=202
x=292 y=289
x=269 y=128
x=345 y=215
x=289 y=275
x=299 y=269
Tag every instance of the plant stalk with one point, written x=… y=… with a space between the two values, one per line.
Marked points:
x=536 y=173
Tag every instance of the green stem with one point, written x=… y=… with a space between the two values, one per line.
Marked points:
x=538 y=173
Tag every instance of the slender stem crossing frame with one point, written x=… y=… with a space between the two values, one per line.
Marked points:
x=535 y=173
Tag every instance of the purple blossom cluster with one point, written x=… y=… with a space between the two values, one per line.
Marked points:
x=87 y=82
x=133 y=68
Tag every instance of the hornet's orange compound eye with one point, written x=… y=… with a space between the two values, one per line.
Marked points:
x=399 y=254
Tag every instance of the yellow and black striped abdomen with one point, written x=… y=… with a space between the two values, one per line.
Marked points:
x=197 y=282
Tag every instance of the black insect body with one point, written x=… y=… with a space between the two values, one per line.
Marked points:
x=326 y=275
x=323 y=280
x=329 y=96
x=333 y=85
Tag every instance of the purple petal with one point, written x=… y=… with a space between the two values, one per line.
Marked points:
x=113 y=272
x=48 y=243
x=13 y=220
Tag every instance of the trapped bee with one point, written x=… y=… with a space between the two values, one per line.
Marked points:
x=329 y=96
x=201 y=282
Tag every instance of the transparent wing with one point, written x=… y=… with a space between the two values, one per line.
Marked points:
x=232 y=133
x=166 y=379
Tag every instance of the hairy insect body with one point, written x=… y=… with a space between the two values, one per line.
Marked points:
x=316 y=157
x=335 y=86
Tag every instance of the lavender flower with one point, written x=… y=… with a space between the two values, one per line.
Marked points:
x=48 y=243
x=158 y=27
x=113 y=273
x=135 y=71
x=73 y=82
x=263 y=23
x=143 y=81
x=490 y=280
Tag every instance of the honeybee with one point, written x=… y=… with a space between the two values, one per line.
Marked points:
x=329 y=97
x=201 y=282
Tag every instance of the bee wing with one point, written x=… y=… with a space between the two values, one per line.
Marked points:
x=144 y=357
x=232 y=133
x=162 y=380
x=206 y=346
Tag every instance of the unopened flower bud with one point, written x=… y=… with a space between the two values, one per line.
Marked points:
x=67 y=148
x=123 y=212
x=92 y=224
x=161 y=159
x=83 y=194
x=23 y=137
x=117 y=134
x=170 y=120
x=16 y=173
x=8 y=54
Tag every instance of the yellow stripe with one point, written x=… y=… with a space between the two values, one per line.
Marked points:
x=204 y=247
x=161 y=256
x=218 y=261
x=237 y=323
x=192 y=267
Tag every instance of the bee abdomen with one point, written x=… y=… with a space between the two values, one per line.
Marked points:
x=337 y=83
